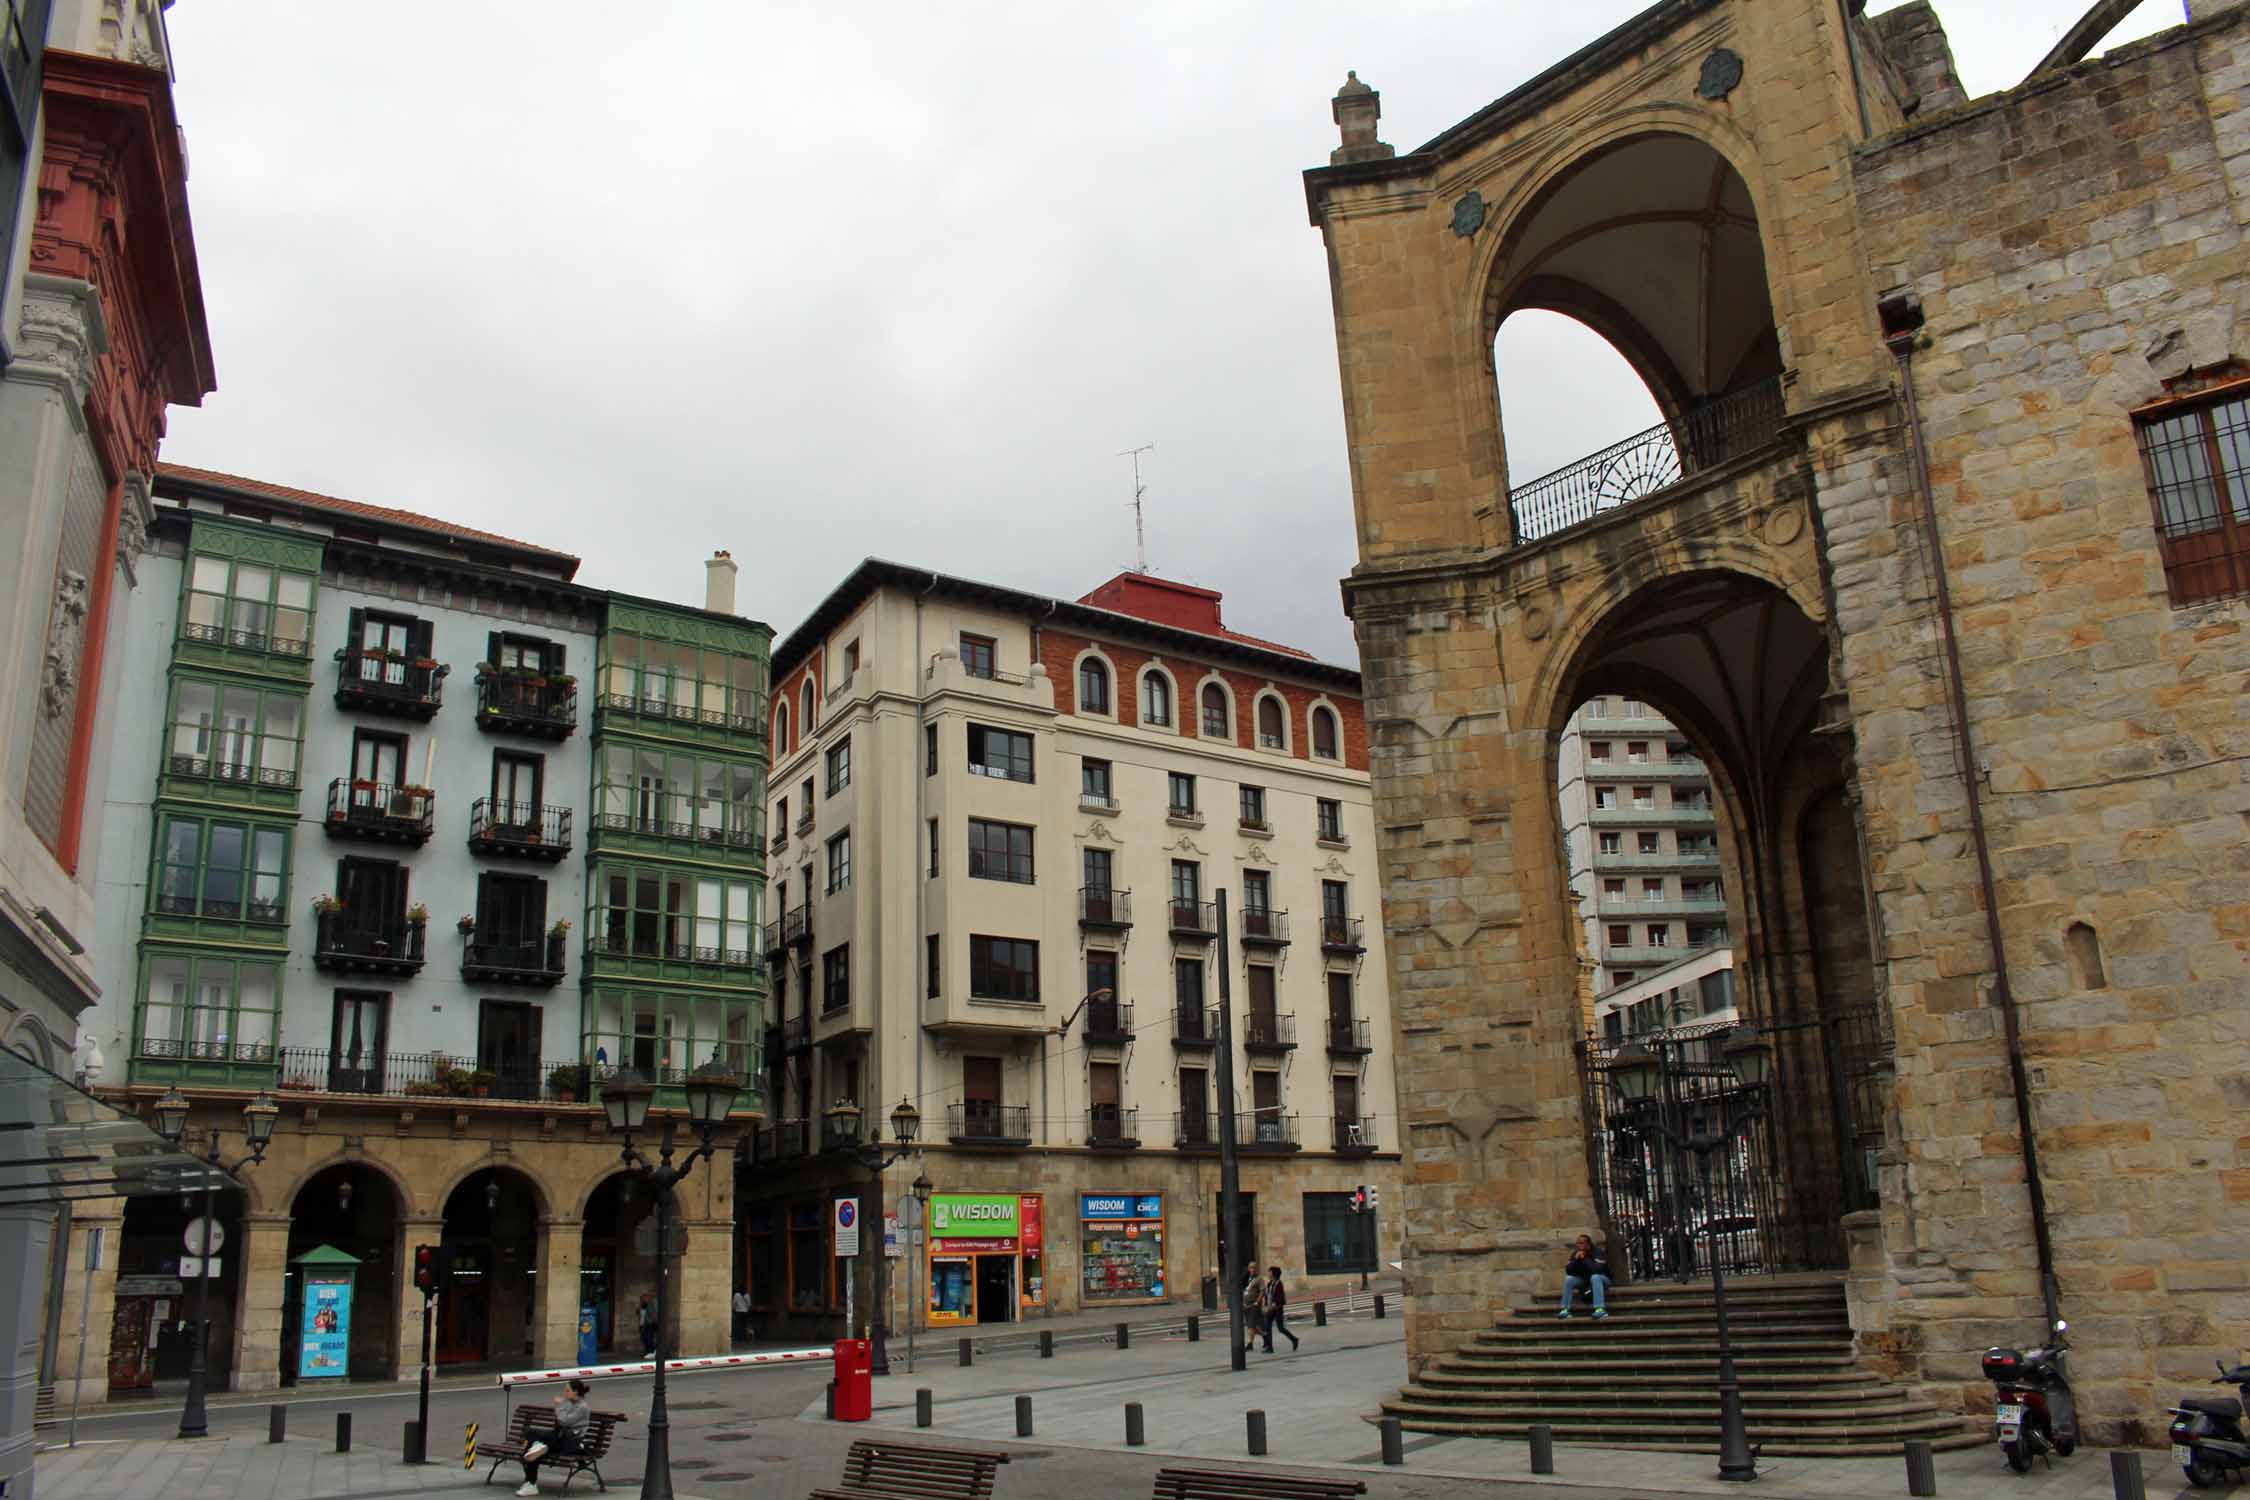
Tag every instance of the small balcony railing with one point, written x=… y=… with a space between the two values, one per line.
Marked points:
x=744 y=716
x=1353 y=1134
x=513 y=958
x=242 y=638
x=787 y=929
x=1194 y=919
x=406 y=687
x=1265 y=1130
x=1109 y=1021
x=347 y=942
x=528 y=829
x=626 y=944
x=1111 y=1128
x=784 y=1140
x=1263 y=1031
x=978 y=1122
x=1195 y=1130
x=527 y=702
x=371 y=1072
x=796 y=1031
x=1195 y=1026
x=1101 y=906
x=1265 y=928
x=380 y=813
x=1726 y=428
x=266 y=911
x=1348 y=1037
x=1342 y=934
x=230 y=773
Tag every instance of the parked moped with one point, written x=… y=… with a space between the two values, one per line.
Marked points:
x=2035 y=1413
x=2207 y=1435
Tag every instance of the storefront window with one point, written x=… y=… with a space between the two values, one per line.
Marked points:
x=987 y=1257
x=1336 y=1239
x=1120 y=1247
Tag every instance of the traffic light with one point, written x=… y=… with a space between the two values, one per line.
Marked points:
x=1360 y=1200
x=1371 y=1196
x=425 y=1268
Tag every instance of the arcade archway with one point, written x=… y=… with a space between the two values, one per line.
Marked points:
x=352 y=1207
x=490 y=1307
x=618 y=1264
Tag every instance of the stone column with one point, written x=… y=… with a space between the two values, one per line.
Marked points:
x=413 y=1231
x=107 y=1215
x=560 y=1253
x=264 y=1278
x=26 y=1232
x=701 y=1292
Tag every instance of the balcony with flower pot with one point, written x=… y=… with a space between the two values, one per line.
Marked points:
x=523 y=700
x=372 y=680
x=348 y=941
x=522 y=830
x=379 y=812
x=505 y=956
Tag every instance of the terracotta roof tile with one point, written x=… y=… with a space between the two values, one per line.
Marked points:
x=340 y=506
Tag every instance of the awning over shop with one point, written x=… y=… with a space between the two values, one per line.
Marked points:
x=58 y=1142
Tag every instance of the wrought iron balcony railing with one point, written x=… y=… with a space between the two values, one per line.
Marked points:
x=529 y=829
x=513 y=958
x=373 y=1072
x=1265 y=1130
x=382 y=813
x=231 y=773
x=1100 y=906
x=408 y=687
x=1352 y=1134
x=1264 y=927
x=1342 y=934
x=1195 y=919
x=1195 y=1026
x=1111 y=1128
x=1195 y=1130
x=1348 y=1037
x=527 y=702
x=979 y=1122
x=1267 y=1032
x=1109 y=1021
x=344 y=940
x=1726 y=428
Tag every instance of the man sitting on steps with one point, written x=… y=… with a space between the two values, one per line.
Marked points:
x=1588 y=1268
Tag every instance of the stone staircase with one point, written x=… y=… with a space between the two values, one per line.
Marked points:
x=1647 y=1376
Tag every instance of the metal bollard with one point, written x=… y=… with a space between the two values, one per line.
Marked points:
x=1046 y=1343
x=968 y=1356
x=1023 y=1416
x=1195 y=1329
x=1257 y=1424
x=277 y=1423
x=2124 y=1475
x=343 y=1432
x=1542 y=1448
x=1135 y=1433
x=1394 y=1442
x=922 y=1407
x=1379 y=1305
x=412 y=1450
x=1124 y=1336
x=1921 y=1472
x=1320 y=1315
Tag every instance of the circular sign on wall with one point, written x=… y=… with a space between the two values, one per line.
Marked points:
x=199 y=1230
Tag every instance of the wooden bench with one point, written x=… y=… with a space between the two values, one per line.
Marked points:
x=914 y=1471
x=1217 y=1484
x=531 y=1423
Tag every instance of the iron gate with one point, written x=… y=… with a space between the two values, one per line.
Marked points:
x=1775 y=1196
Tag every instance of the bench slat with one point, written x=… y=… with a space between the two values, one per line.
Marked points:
x=875 y=1470
x=1220 y=1484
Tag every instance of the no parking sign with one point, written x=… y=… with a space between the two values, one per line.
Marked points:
x=847 y=1226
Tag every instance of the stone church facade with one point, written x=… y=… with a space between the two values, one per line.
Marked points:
x=1941 y=560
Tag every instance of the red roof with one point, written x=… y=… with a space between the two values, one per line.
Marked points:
x=259 y=488
x=1183 y=606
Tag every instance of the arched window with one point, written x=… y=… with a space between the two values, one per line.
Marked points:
x=1093 y=686
x=1324 y=734
x=805 y=716
x=1215 y=725
x=1269 y=724
x=781 y=730
x=1156 y=698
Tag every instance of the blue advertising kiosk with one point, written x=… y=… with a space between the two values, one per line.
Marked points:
x=324 y=1344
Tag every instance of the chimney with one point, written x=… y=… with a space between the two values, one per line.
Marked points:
x=718 y=583
x=1356 y=108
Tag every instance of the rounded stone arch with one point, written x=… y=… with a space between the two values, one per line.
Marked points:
x=1172 y=688
x=1210 y=680
x=593 y=1182
x=1323 y=704
x=407 y=1207
x=808 y=705
x=1095 y=653
x=28 y=1036
x=543 y=1195
x=781 y=728
x=1281 y=715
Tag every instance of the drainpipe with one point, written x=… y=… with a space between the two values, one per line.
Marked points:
x=1902 y=319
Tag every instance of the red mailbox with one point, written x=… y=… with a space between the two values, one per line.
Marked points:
x=855 y=1380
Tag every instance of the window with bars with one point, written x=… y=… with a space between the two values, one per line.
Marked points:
x=1000 y=851
x=2197 y=461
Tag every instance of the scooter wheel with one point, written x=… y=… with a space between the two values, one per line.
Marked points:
x=2019 y=1455
x=2066 y=1446
x=2202 y=1473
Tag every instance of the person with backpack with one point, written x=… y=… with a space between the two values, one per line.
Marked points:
x=1277 y=1310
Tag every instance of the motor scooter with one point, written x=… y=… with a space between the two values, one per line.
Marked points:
x=2034 y=1411
x=2207 y=1435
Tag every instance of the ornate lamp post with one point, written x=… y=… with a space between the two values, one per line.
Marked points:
x=921 y=1190
x=843 y=1130
x=1636 y=1073
x=711 y=1091
x=258 y=1118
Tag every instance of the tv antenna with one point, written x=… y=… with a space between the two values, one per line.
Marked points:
x=1140 y=535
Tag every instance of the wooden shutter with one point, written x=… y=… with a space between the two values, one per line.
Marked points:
x=418 y=638
x=1101 y=1085
x=551 y=653
x=355 y=630
x=980 y=1079
x=492 y=648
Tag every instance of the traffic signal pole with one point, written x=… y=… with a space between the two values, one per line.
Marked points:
x=426 y=1272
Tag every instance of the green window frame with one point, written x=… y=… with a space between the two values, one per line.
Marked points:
x=232 y=733
x=651 y=911
x=198 y=1007
x=673 y=794
x=663 y=1034
x=675 y=680
x=251 y=606
x=221 y=869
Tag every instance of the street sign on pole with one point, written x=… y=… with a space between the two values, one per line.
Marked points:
x=199 y=1231
x=847 y=1227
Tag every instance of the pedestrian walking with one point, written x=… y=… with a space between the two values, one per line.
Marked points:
x=1277 y=1310
x=648 y=1324
x=741 y=1317
x=1253 y=1308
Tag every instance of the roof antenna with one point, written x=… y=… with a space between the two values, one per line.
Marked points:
x=1140 y=536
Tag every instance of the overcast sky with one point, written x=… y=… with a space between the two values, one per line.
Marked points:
x=818 y=280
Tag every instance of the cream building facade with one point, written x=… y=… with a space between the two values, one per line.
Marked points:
x=1003 y=828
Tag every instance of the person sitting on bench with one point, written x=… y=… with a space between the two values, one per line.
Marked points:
x=571 y=1412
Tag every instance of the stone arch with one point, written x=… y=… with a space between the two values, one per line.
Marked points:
x=543 y=1195
x=408 y=1208
x=1077 y=669
x=28 y=1036
x=808 y=706
x=781 y=728
x=1215 y=681
x=1171 y=683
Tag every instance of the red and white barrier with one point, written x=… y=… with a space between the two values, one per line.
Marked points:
x=697 y=1366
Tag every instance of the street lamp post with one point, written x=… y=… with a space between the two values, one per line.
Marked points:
x=1635 y=1071
x=922 y=1189
x=906 y=1125
x=711 y=1091
x=258 y=1118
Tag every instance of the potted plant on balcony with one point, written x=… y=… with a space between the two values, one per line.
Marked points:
x=466 y=925
x=424 y=1088
x=481 y=1082
x=326 y=906
x=298 y=1083
x=460 y=1082
x=417 y=915
x=567 y=1081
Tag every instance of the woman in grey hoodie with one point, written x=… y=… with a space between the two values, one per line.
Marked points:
x=571 y=1411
